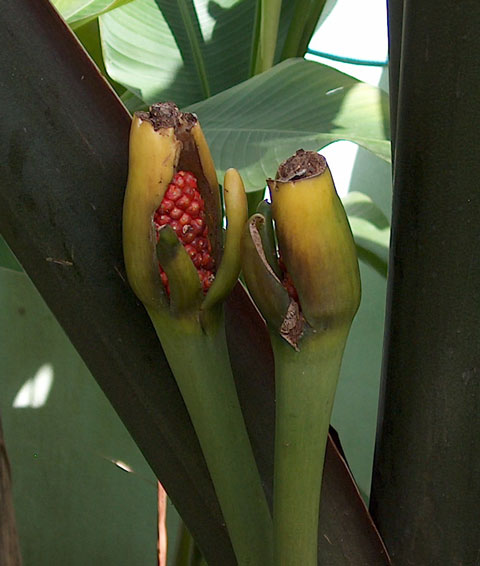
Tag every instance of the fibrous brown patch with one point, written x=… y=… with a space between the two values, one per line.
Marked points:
x=293 y=324
x=167 y=115
x=301 y=165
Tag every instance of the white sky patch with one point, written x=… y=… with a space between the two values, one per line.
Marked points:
x=341 y=157
x=353 y=29
x=34 y=392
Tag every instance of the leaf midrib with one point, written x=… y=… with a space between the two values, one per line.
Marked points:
x=195 y=45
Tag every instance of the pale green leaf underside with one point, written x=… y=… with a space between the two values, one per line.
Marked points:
x=163 y=50
x=371 y=230
x=297 y=104
x=79 y=12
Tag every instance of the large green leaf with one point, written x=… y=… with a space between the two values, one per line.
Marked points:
x=178 y=50
x=63 y=439
x=260 y=122
x=425 y=489
x=79 y=12
x=182 y=51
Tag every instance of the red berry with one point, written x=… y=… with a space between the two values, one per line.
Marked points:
x=183 y=202
x=173 y=192
x=182 y=208
x=177 y=227
x=191 y=180
x=193 y=209
x=175 y=213
x=200 y=244
x=187 y=234
x=166 y=206
x=185 y=219
x=198 y=226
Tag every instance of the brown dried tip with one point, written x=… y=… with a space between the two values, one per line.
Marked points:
x=167 y=115
x=301 y=165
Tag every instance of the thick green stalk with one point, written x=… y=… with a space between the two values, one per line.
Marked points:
x=305 y=389
x=200 y=363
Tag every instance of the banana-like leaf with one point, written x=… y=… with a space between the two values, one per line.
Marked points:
x=74 y=465
x=79 y=12
x=182 y=51
x=260 y=122
x=371 y=230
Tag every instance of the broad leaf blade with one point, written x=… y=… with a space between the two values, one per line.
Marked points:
x=425 y=489
x=79 y=12
x=260 y=122
x=148 y=48
x=66 y=446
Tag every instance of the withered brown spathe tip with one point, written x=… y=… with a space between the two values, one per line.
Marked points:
x=302 y=165
x=167 y=115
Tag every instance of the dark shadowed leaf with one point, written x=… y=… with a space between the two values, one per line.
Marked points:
x=425 y=489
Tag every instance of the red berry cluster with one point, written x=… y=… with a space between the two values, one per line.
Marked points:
x=183 y=208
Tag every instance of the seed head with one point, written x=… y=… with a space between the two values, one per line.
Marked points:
x=183 y=208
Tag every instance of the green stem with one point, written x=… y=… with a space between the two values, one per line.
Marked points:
x=200 y=363
x=265 y=36
x=305 y=389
